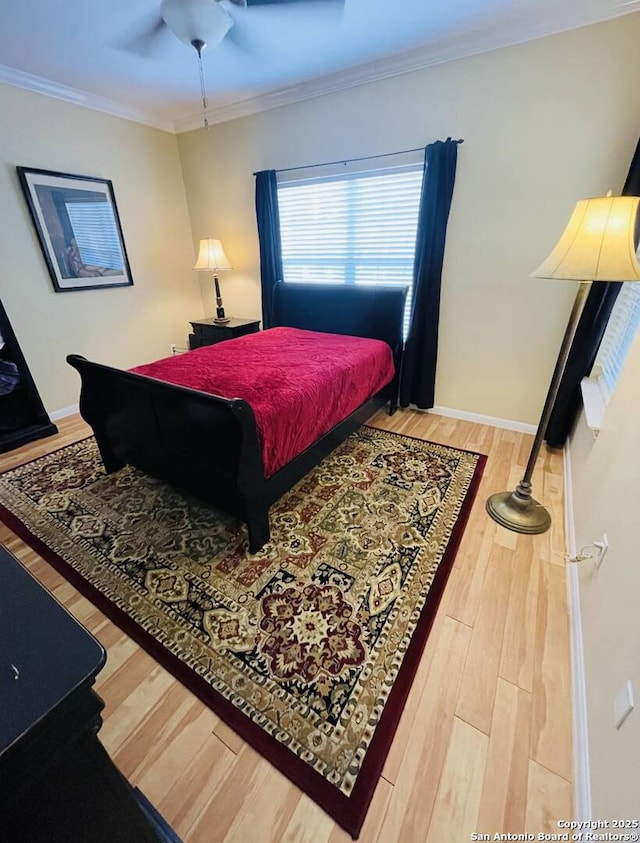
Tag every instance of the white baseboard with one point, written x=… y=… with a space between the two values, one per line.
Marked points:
x=581 y=766
x=63 y=412
x=463 y=415
x=492 y=421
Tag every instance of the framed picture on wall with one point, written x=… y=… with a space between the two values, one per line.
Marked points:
x=78 y=227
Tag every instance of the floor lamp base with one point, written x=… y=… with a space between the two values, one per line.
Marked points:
x=522 y=515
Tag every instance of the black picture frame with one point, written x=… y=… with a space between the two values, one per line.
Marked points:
x=78 y=227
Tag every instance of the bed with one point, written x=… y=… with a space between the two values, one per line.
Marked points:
x=211 y=446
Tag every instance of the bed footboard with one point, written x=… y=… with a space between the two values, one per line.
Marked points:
x=201 y=444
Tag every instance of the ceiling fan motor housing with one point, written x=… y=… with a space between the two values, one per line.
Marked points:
x=196 y=20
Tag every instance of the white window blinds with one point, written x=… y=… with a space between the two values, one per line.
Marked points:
x=618 y=336
x=351 y=229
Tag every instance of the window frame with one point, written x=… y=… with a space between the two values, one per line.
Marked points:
x=352 y=262
x=619 y=335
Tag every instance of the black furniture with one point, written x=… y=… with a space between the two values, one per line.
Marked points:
x=208 y=446
x=208 y=332
x=58 y=782
x=22 y=413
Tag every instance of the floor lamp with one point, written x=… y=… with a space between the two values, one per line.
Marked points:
x=598 y=244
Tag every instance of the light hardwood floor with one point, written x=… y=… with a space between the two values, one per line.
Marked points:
x=484 y=743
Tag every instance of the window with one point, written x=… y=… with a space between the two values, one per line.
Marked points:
x=616 y=342
x=351 y=229
x=621 y=329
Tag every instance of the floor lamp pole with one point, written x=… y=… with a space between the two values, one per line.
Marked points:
x=517 y=510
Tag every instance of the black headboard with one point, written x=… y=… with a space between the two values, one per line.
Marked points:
x=360 y=310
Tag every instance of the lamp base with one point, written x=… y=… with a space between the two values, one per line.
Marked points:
x=221 y=320
x=522 y=515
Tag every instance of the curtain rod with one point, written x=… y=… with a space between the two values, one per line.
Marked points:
x=346 y=161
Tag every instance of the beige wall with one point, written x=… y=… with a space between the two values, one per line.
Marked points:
x=544 y=123
x=119 y=326
x=605 y=489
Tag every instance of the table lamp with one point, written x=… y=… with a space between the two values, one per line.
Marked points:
x=211 y=257
x=598 y=244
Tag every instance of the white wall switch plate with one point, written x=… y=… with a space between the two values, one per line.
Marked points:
x=623 y=704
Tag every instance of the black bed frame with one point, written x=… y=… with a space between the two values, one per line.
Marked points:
x=206 y=445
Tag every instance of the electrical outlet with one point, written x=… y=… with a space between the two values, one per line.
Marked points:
x=603 y=547
x=623 y=704
x=173 y=348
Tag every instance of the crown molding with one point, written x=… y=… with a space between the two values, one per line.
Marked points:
x=386 y=68
x=39 y=85
x=396 y=65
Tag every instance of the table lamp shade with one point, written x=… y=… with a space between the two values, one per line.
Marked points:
x=211 y=256
x=598 y=243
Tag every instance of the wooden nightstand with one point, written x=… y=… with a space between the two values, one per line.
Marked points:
x=207 y=332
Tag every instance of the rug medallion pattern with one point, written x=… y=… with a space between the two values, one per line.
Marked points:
x=307 y=636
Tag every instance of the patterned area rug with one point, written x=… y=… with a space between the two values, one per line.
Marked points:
x=307 y=648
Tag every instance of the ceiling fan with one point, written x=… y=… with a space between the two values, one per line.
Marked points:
x=205 y=23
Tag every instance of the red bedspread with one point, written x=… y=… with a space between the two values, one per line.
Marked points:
x=298 y=383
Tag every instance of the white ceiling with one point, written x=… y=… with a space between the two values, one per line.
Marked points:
x=74 y=49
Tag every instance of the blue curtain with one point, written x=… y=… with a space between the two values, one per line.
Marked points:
x=268 y=218
x=417 y=382
x=591 y=327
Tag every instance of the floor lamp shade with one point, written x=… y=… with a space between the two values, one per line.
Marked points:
x=598 y=244
x=211 y=257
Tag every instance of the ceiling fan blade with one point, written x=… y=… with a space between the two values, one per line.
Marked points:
x=326 y=3
x=236 y=37
x=145 y=38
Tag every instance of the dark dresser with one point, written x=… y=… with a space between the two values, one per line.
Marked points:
x=208 y=332
x=23 y=417
x=57 y=782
